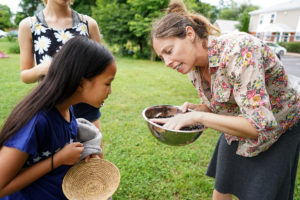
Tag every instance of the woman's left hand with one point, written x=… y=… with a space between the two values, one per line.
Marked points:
x=178 y=121
x=91 y=156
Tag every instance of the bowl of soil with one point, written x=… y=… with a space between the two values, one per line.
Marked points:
x=184 y=136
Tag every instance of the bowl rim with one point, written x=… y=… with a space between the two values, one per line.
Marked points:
x=178 y=131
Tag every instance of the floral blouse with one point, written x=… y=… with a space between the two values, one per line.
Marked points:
x=248 y=80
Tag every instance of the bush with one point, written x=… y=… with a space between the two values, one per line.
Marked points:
x=14 y=48
x=291 y=46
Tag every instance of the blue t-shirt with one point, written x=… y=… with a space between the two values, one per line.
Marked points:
x=46 y=133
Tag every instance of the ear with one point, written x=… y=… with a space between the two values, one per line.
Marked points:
x=190 y=33
x=81 y=85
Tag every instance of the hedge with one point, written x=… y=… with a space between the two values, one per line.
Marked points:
x=291 y=46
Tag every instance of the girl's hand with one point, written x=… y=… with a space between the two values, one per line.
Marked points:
x=178 y=121
x=195 y=107
x=70 y=154
x=92 y=156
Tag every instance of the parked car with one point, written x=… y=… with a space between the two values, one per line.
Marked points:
x=2 y=33
x=279 y=50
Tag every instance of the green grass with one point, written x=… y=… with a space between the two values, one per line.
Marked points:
x=149 y=169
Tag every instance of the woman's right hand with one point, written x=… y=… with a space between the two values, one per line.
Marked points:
x=69 y=154
x=196 y=107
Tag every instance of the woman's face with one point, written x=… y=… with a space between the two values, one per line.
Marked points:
x=96 y=90
x=177 y=53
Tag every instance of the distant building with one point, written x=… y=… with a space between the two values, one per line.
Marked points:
x=278 y=23
x=226 y=26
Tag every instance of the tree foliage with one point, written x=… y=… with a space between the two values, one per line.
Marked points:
x=5 y=16
x=125 y=22
x=84 y=6
x=29 y=8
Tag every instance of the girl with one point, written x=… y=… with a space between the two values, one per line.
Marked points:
x=245 y=95
x=41 y=36
x=38 y=140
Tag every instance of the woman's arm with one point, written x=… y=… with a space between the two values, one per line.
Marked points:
x=14 y=179
x=29 y=73
x=236 y=126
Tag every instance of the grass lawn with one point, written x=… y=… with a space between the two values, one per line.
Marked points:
x=149 y=169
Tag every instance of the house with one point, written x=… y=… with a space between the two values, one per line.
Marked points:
x=278 y=23
x=226 y=26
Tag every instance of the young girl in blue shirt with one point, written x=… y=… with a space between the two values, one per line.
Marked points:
x=38 y=140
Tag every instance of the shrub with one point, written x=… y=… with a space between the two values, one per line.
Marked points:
x=14 y=48
x=291 y=46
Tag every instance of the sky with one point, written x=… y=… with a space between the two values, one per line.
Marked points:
x=13 y=4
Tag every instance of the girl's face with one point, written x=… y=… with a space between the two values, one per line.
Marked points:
x=96 y=90
x=180 y=54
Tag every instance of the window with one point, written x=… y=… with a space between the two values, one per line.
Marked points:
x=272 y=18
x=261 y=19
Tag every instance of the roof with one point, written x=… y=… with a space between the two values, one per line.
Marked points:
x=290 y=5
x=226 y=26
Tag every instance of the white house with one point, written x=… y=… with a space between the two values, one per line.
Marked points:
x=277 y=23
x=226 y=26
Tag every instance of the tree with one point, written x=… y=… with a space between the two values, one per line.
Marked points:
x=5 y=16
x=29 y=8
x=84 y=6
x=205 y=9
x=128 y=21
x=244 y=17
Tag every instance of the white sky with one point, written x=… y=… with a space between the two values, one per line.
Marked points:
x=13 y=4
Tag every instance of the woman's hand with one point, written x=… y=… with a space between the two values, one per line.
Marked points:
x=178 y=121
x=195 y=107
x=68 y=155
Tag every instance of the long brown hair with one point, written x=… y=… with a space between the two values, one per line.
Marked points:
x=174 y=23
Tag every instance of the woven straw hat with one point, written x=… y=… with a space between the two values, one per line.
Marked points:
x=96 y=179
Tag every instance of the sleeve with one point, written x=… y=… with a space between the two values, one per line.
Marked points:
x=250 y=92
x=27 y=138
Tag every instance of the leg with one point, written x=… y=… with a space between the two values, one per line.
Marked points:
x=98 y=125
x=220 y=196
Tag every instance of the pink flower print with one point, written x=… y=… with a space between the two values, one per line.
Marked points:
x=261 y=92
x=211 y=52
x=244 y=51
x=225 y=85
x=251 y=94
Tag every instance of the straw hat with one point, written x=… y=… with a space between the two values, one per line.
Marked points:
x=96 y=179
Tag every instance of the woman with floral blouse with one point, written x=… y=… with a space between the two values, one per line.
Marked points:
x=245 y=94
x=43 y=35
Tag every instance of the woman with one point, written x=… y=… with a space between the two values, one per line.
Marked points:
x=38 y=141
x=43 y=35
x=245 y=95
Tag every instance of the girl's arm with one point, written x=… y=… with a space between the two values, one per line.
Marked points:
x=29 y=73
x=236 y=126
x=14 y=179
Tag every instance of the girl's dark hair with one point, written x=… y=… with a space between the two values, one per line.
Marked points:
x=174 y=23
x=79 y=58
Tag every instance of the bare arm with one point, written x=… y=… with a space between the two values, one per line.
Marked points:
x=94 y=30
x=236 y=126
x=14 y=179
x=29 y=73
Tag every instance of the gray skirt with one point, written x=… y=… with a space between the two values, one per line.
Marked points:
x=271 y=175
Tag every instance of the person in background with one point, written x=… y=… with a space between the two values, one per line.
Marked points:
x=245 y=94
x=42 y=36
x=38 y=141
